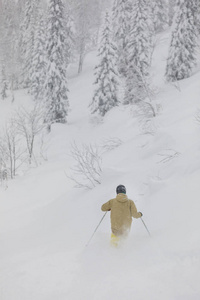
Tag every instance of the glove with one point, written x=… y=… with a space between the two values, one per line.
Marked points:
x=141 y=213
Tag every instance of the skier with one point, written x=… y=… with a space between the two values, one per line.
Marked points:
x=122 y=210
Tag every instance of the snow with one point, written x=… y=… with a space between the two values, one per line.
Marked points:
x=45 y=222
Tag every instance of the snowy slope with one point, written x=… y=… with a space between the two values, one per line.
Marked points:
x=45 y=223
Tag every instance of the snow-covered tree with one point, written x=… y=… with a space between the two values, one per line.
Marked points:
x=70 y=34
x=197 y=15
x=171 y=11
x=38 y=66
x=9 y=40
x=87 y=19
x=56 y=80
x=82 y=29
x=182 y=51
x=105 y=95
x=28 y=18
x=121 y=28
x=160 y=13
x=139 y=51
x=96 y=16
x=11 y=151
x=3 y=84
x=1 y=29
x=29 y=124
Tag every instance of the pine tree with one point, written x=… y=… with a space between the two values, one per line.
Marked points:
x=105 y=96
x=70 y=34
x=82 y=29
x=121 y=27
x=27 y=39
x=56 y=79
x=139 y=51
x=38 y=67
x=9 y=41
x=182 y=51
x=171 y=11
x=197 y=15
x=87 y=17
x=160 y=15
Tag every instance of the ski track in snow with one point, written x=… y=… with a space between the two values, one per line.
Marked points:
x=45 y=223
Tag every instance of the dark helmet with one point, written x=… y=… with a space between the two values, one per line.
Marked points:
x=121 y=189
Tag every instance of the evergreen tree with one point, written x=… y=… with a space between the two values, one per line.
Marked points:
x=56 y=79
x=28 y=18
x=197 y=15
x=38 y=67
x=83 y=20
x=87 y=17
x=70 y=34
x=105 y=96
x=9 y=41
x=182 y=51
x=2 y=29
x=171 y=12
x=139 y=51
x=160 y=14
x=121 y=28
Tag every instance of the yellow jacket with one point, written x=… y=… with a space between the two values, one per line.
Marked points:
x=122 y=210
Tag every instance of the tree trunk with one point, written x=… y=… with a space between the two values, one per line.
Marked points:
x=80 y=66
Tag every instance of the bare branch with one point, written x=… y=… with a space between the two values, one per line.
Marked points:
x=29 y=125
x=87 y=170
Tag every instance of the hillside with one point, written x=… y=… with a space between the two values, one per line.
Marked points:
x=45 y=222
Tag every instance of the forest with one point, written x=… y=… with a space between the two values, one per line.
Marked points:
x=40 y=40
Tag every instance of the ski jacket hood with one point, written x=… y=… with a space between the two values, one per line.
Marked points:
x=122 y=198
x=122 y=210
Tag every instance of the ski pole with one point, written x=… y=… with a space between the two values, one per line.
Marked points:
x=145 y=226
x=96 y=229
